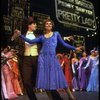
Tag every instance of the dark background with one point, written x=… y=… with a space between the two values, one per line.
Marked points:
x=48 y=7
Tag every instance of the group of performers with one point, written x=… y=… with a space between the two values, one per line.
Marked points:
x=42 y=70
x=81 y=72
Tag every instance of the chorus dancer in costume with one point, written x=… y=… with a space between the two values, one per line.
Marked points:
x=66 y=65
x=83 y=81
x=93 y=62
x=50 y=75
x=13 y=64
x=75 y=81
x=68 y=71
x=6 y=76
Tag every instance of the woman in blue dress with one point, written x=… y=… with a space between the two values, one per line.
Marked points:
x=93 y=62
x=83 y=80
x=50 y=75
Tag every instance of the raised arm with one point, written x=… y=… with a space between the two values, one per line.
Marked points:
x=79 y=68
x=17 y=33
x=63 y=43
x=37 y=40
x=80 y=64
x=88 y=63
x=73 y=69
x=67 y=45
x=97 y=63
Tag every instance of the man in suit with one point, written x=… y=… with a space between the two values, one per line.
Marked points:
x=27 y=57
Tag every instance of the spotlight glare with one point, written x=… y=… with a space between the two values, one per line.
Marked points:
x=96 y=17
x=95 y=33
x=88 y=35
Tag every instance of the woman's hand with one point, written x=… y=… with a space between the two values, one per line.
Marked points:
x=79 y=48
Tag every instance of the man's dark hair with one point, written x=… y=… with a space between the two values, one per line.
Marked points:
x=30 y=20
x=27 y=21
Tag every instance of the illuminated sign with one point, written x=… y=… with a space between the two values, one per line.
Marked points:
x=40 y=17
x=17 y=24
x=7 y=23
x=17 y=12
x=78 y=13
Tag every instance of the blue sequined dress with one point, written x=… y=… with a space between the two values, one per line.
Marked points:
x=93 y=84
x=49 y=75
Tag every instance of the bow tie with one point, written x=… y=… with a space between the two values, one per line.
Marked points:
x=30 y=33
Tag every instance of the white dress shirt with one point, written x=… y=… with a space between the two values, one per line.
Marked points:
x=30 y=49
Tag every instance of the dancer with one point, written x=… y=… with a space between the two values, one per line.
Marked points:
x=10 y=75
x=50 y=75
x=75 y=63
x=68 y=72
x=83 y=80
x=93 y=62
x=27 y=57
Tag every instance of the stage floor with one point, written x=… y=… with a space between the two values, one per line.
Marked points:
x=79 y=96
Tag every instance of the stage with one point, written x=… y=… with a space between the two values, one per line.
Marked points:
x=79 y=96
